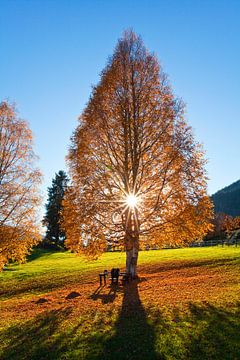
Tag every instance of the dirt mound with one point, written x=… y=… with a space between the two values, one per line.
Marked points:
x=73 y=295
x=42 y=301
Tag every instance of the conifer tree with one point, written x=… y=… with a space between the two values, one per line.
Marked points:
x=55 y=235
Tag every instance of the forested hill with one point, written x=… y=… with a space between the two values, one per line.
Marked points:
x=227 y=200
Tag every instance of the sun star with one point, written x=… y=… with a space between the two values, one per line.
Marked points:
x=131 y=200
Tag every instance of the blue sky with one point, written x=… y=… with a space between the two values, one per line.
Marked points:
x=53 y=51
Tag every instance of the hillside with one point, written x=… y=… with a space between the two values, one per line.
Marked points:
x=227 y=200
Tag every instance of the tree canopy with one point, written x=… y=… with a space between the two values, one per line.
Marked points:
x=19 y=180
x=137 y=175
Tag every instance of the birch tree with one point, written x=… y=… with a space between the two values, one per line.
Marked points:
x=137 y=173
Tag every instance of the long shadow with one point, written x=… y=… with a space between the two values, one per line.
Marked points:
x=106 y=298
x=31 y=339
x=38 y=253
x=40 y=284
x=202 y=332
x=188 y=264
x=220 y=337
x=133 y=337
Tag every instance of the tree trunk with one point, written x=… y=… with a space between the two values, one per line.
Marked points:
x=132 y=249
x=131 y=262
x=131 y=241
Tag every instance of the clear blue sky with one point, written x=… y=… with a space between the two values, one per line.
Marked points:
x=52 y=52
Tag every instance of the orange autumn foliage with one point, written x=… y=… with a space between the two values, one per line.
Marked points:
x=19 y=181
x=133 y=138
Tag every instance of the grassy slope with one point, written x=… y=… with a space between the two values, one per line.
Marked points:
x=186 y=306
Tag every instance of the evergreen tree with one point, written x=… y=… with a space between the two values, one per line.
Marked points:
x=55 y=235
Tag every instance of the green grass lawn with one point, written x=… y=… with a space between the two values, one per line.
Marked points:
x=184 y=306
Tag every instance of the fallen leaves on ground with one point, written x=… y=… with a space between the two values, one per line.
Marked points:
x=178 y=282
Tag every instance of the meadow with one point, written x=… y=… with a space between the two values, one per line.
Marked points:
x=185 y=305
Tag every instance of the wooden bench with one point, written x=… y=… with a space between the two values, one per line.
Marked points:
x=114 y=276
x=103 y=276
x=115 y=273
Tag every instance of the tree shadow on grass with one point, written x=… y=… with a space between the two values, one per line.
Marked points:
x=96 y=336
x=199 y=331
x=188 y=264
x=38 y=285
x=133 y=337
x=38 y=253
x=217 y=334
x=31 y=340
x=41 y=284
x=202 y=331
x=106 y=298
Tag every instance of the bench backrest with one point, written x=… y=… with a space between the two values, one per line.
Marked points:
x=115 y=272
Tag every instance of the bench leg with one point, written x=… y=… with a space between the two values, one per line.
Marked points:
x=114 y=281
x=100 y=278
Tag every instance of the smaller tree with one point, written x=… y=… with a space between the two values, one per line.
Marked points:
x=218 y=230
x=55 y=234
x=224 y=227
x=19 y=187
x=231 y=224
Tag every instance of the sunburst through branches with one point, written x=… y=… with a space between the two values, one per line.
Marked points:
x=131 y=200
